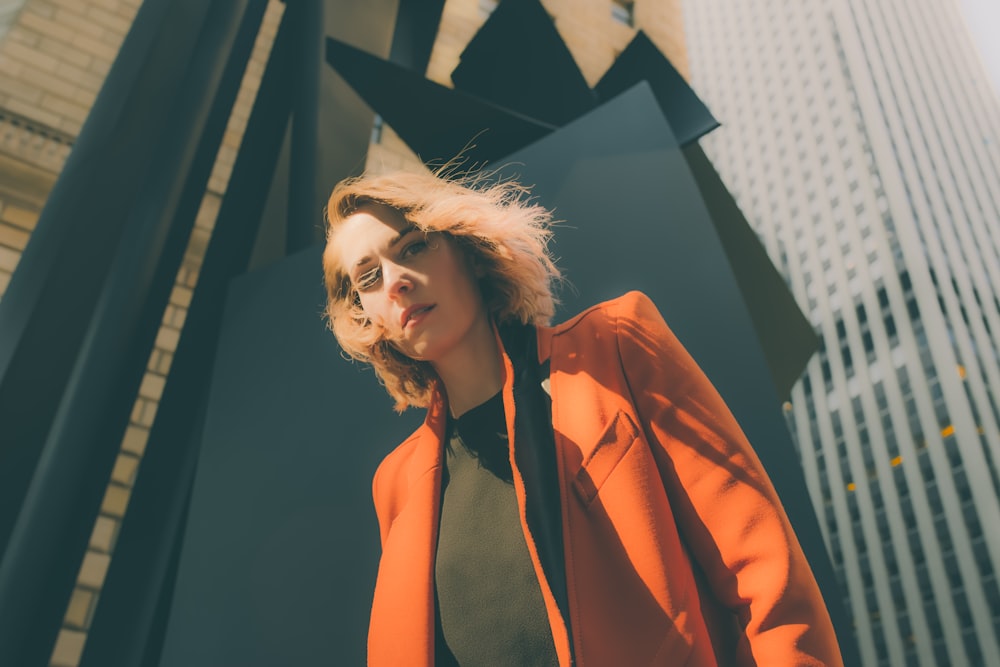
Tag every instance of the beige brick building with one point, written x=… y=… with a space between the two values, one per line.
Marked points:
x=54 y=56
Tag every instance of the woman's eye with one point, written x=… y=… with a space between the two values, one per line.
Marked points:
x=367 y=279
x=414 y=248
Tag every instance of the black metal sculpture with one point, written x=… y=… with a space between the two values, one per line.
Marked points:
x=284 y=453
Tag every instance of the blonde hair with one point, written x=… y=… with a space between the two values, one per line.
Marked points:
x=493 y=221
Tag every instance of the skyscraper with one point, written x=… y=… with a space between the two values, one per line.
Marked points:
x=862 y=140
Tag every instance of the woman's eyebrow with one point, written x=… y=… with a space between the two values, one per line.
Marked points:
x=402 y=233
x=392 y=243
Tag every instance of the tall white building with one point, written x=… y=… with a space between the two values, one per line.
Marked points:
x=862 y=140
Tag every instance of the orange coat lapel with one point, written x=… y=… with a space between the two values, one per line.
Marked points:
x=402 y=630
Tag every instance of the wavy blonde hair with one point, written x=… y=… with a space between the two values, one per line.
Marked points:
x=493 y=221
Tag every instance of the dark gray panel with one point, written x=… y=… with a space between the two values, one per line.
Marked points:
x=786 y=336
x=436 y=122
x=518 y=60
x=344 y=120
x=112 y=235
x=634 y=219
x=687 y=115
x=416 y=31
x=281 y=548
x=128 y=625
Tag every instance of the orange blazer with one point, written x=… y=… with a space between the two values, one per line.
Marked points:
x=677 y=549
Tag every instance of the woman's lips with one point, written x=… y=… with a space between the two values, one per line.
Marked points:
x=415 y=313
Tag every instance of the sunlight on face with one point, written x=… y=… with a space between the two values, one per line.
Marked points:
x=418 y=286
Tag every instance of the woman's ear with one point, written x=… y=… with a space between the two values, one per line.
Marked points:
x=473 y=261
x=475 y=264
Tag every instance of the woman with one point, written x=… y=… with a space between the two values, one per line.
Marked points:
x=578 y=494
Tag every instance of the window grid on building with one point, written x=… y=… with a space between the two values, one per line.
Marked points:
x=858 y=141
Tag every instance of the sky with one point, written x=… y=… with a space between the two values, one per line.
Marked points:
x=983 y=17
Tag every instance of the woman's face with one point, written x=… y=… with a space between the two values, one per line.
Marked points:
x=418 y=286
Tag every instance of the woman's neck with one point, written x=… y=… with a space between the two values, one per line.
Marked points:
x=472 y=373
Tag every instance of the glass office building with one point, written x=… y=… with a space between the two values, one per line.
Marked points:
x=862 y=140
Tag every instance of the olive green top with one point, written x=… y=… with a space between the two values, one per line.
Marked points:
x=490 y=605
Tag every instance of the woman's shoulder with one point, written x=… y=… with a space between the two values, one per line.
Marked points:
x=633 y=306
x=604 y=328
x=409 y=460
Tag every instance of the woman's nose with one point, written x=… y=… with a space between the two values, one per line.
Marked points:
x=397 y=279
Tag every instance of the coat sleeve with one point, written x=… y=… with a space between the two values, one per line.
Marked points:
x=727 y=511
x=390 y=485
x=383 y=501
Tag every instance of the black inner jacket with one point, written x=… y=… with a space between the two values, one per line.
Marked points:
x=535 y=456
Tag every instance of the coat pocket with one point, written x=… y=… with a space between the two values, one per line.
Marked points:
x=613 y=444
